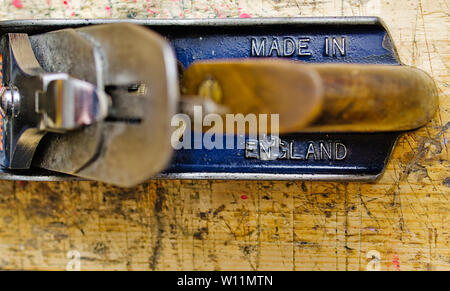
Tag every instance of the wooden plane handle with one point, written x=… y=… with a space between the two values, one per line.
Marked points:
x=320 y=97
x=258 y=87
x=374 y=98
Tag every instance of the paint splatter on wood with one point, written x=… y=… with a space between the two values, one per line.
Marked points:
x=208 y=225
x=17 y=3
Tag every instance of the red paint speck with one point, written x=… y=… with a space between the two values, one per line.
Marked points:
x=245 y=15
x=243 y=197
x=66 y=3
x=108 y=8
x=22 y=183
x=17 y=3
x=396 y=262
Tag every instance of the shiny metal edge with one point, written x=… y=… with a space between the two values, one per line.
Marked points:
x=207 y=176
x=36 y=177
x=271 y=177
x=338 y=20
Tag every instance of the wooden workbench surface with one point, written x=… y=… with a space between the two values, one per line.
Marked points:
x=399 y=223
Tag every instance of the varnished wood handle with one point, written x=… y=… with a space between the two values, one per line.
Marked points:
x=259 y=87
x=374 y=98
x=321 y=97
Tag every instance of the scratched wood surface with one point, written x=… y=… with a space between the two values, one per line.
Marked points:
x=398 y=223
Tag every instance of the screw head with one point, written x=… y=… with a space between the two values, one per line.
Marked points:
x=10 y=102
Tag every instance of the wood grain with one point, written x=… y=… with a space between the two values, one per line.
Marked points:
x=249 y=86
x=318 y=97
x=232 y=225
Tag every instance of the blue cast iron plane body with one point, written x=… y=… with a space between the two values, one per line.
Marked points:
x=321 y=156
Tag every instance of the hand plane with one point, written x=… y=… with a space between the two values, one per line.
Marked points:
x=123 y=101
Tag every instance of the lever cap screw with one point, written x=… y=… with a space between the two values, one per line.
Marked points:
x=10 y=102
